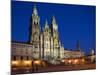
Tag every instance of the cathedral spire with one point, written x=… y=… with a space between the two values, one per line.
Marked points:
x=35 y=10
x=54 y=25
x=53 y=20
x=46 y=24
x=78 y=45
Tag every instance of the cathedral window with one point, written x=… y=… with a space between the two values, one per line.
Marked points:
x=14 y=57
x=36 y=47
x=26 y=52
x=27 y=57
x=21 y=57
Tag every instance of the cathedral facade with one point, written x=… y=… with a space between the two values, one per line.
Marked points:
x=46 y=41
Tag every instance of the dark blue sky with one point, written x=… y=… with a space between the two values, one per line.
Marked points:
x=75 y=22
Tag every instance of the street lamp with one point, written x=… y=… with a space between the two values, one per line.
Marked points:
x=27 y=62
x=69 y=61
x=76 y=61
x=62 y=60
x=37 y=62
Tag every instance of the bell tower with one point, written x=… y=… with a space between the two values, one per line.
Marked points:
x=35 y=31
x=55 y=38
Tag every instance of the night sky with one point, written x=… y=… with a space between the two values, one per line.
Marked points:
x=75 y=22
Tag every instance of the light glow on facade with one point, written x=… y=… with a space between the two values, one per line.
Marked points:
x=15 y=63
x=27 y=62
x=37 y=62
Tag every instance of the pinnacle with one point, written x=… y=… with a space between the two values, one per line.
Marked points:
x=35 y=10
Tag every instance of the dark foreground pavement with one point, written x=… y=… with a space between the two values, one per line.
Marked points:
x=68 y=68
x=57 y=69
